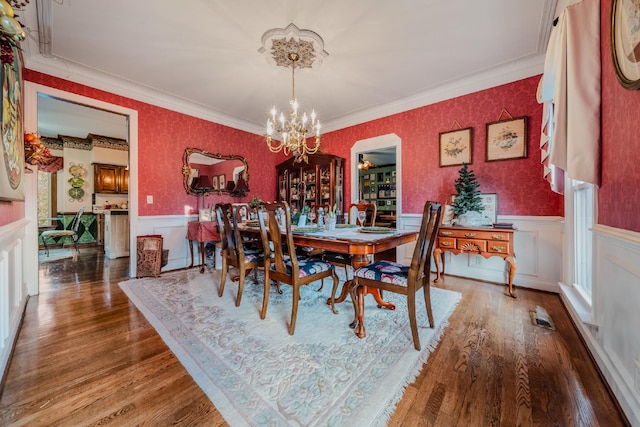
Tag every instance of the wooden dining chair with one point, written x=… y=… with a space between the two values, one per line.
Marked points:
x=344 y=260
x=286 y=266
x=235 y=251
x=398 y=278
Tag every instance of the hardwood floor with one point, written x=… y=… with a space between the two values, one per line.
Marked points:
x=86 y=356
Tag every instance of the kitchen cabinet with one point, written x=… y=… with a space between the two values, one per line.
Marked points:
x=319 y=182
x=110 y=179
x=116 y=234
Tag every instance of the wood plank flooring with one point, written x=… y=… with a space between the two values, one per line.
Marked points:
x=86 y=356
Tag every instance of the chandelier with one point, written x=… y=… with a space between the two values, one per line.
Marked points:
x=364 y=164
x=295 y=135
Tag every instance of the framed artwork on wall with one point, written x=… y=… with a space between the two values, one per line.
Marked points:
x=222 y=184
x=456 y=147
x=507 y=139
x=214 y=183
x=12 y=148
x=625 y=42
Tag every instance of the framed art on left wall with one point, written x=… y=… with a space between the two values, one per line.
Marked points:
x=12 y=170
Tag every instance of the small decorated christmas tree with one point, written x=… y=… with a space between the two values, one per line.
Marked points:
x=468 y=198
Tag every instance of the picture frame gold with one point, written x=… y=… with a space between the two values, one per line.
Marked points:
x=214 y=183
x=507 y=139
x=12 y=140
x=625 y=42
x=222 y=182
x=456 y=147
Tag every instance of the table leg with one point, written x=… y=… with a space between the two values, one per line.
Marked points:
x=512 y=273
x=202 y=253
x=438 y=256
x=356 y=262
x=191 y=249
x=361 y=293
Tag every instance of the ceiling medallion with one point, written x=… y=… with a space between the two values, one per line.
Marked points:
x=289 y=135
x=278 y=42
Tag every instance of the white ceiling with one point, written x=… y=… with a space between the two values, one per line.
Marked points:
x=201 y=57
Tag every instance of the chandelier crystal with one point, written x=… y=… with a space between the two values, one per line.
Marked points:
x=295 y=135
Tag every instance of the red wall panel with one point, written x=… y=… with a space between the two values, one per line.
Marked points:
x=619 y=195
x=162 y=137
x=518 y=183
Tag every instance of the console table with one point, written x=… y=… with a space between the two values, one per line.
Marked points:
x=484 y=241
x=201 y=232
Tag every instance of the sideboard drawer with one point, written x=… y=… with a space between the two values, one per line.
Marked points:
x=471 y=245
x=498 y=247
x=474 y=234
x=446 y=242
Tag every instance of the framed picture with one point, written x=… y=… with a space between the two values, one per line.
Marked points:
x=214 y=182
x=447 y=215
x=12 y=147
x=204 y=215
x=507 y=139
x=456 y=147
x=625 y=42
x=222 y=182
x=489 y=203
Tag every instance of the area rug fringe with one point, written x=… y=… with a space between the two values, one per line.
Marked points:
x=256 y=374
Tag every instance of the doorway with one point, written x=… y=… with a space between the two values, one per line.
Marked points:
x=385 y=149
x=36 y=94
x=381 y=149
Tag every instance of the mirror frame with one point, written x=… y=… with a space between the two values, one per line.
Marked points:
x=186 y=171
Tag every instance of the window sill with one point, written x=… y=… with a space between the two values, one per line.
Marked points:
x=577 y=304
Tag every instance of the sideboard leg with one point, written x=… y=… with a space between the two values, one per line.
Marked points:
x=438 y=256
x=512 y=273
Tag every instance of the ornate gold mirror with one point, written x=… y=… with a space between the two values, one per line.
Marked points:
x=205 y=172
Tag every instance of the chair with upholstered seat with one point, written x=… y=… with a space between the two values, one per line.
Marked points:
x=234 y=251
x=398 y=278
x=344 y=260
x=286 y=265
x=71 y=232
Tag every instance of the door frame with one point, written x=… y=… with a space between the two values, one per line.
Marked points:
x=31 y=209
x=363 y=146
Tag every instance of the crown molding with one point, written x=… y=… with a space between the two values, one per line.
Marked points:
x=489 y=78
x=63 y=69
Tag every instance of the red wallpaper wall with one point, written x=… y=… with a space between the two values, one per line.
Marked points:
x=518 y=183
x=619 y=195
x=162 y=137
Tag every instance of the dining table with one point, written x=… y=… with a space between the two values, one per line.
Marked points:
x=359 y=242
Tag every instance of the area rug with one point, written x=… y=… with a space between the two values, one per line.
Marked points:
x=55 y=254
x=256 y=374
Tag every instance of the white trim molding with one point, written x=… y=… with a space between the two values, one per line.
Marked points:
x=13 y=286
x=613 y=338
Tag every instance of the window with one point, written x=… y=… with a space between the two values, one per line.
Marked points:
x=583 y=221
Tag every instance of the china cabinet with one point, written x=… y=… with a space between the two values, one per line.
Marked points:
x=319 y=182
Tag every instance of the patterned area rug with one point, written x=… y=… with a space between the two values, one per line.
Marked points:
x=256 y=374
x=55 y=254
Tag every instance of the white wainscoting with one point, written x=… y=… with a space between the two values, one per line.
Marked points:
x=538 y=248
x=613 y=337
x=13 y=287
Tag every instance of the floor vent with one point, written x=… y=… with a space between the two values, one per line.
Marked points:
x=541 y=318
